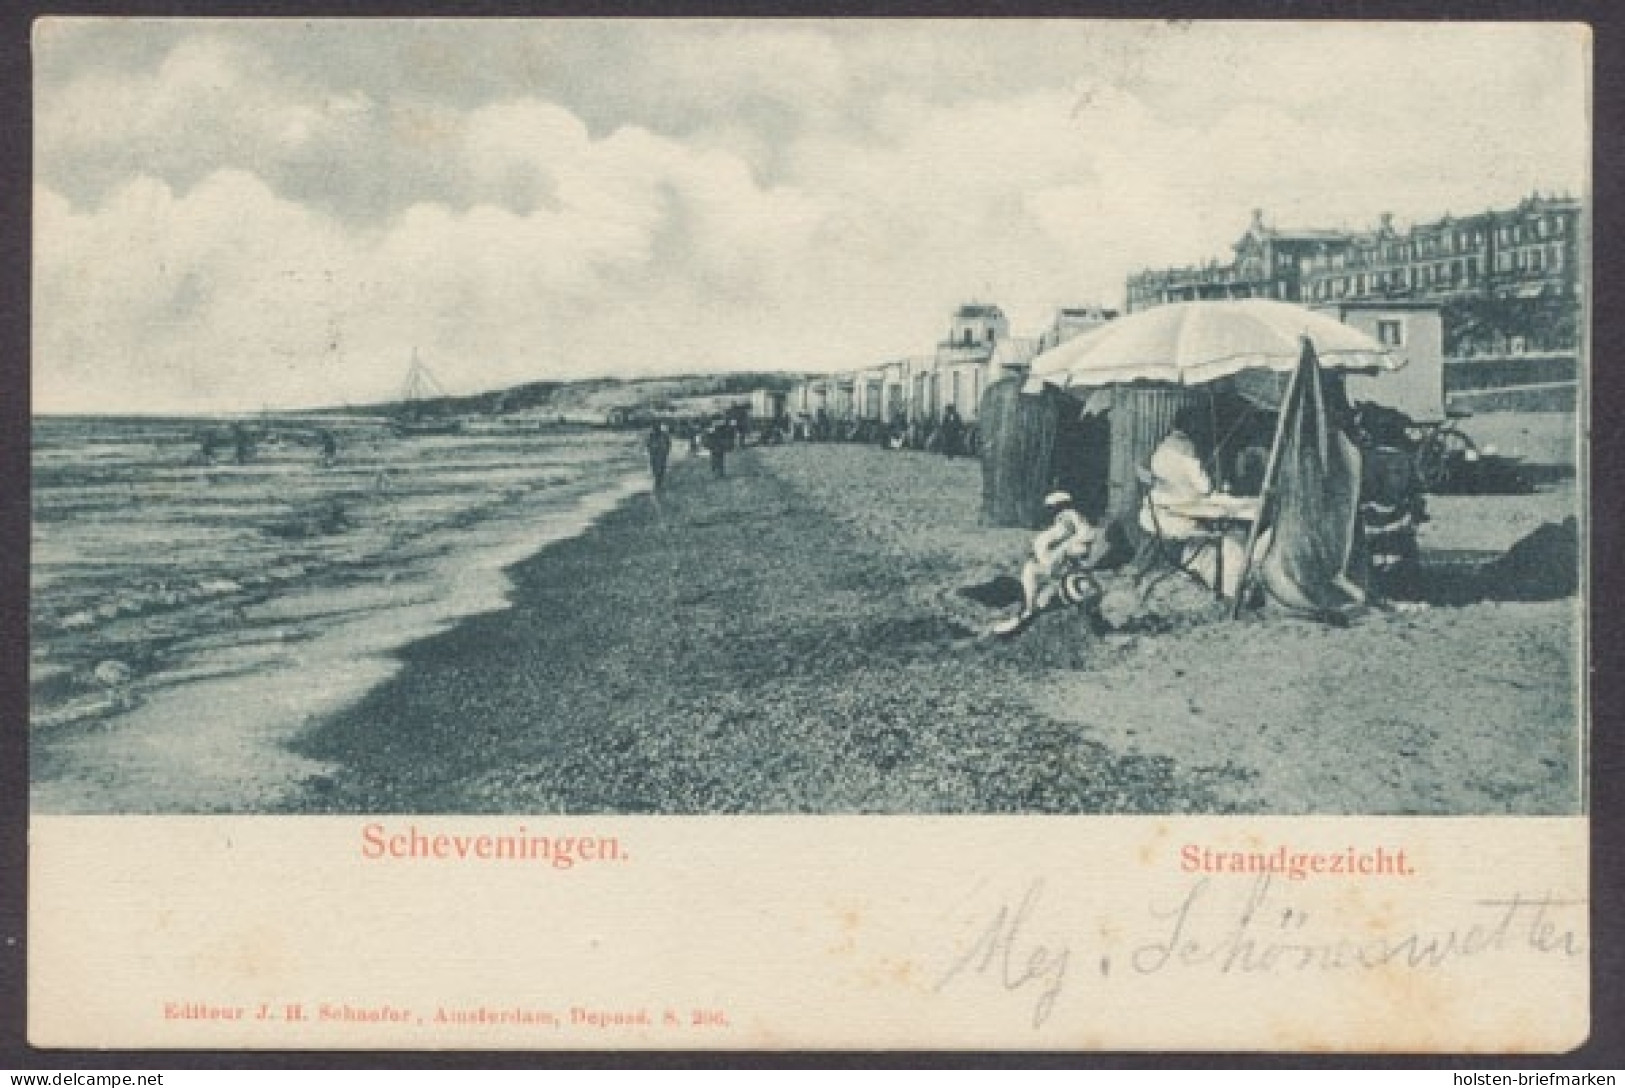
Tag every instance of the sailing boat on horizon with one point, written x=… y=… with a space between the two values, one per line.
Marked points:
x=422 y=389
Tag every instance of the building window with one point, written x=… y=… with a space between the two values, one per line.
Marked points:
x=1390 y=333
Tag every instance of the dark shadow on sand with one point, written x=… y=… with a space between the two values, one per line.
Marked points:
x=1543 y=566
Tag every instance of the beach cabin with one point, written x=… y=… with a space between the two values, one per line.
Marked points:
x=923 y=397
x=894 y=390
x=821 y=395
x=843 y=396
x=961 y=385
x=767 y=404
x=913 y=378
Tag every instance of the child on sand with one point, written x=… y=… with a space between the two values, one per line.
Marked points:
x=1063 y=557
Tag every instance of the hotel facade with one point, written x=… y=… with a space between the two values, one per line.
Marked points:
x=1507 y=282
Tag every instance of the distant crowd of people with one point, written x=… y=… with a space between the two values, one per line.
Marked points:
x=946 y=433
x=243 y=445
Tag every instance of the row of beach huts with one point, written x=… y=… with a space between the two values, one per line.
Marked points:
x=977 y=352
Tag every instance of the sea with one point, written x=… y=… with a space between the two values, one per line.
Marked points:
x=193 y=604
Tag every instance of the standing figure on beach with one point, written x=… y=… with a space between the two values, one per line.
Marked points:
x=243 y=443
x=329 y=446
x=717 y=441
x=659 y=446
x=1059 y=572
x=953 y=432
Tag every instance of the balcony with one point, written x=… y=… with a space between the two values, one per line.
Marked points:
x=955 y=352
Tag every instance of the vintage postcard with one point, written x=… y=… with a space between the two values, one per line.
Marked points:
x=809 y=534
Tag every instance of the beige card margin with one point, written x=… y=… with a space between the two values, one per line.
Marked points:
x=845 y=933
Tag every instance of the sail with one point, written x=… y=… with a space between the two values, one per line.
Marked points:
x=414 y=417
x=421 y=383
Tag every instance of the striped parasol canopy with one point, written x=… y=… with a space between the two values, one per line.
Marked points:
x=1190 y=343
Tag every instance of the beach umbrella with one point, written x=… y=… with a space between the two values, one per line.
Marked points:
x=1188 y=343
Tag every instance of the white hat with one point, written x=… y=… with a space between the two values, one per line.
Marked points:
x=1057 y=498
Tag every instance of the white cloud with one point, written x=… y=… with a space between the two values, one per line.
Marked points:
x=226 y=293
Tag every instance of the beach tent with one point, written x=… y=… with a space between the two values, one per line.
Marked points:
x=1141 y=369
x=1019 y=451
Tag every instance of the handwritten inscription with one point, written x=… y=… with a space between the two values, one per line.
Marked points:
x=1006 y=950
x=1258 y=933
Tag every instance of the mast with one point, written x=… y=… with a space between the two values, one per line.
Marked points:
x=420 y=382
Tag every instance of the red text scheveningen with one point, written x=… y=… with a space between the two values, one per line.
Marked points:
x=382 y=842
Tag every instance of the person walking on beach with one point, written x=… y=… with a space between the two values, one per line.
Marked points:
x=329 y=446
x=717 y=441
x=206 y=444
x=659 y=445
x=953 y=431
x=243 y=443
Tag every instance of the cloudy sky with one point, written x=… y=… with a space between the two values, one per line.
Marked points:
x=275 y=213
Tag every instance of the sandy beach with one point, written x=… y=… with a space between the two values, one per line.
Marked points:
x=794 y=639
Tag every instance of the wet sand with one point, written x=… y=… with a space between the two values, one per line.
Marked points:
x=792 y=639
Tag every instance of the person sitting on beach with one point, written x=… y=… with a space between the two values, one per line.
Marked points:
x=1178 y=477
x=1064 y=555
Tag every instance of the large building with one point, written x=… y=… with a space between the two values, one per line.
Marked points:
x=1507 y=281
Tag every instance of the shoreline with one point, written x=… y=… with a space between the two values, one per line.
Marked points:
x=211 y=733
x=791 y=639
